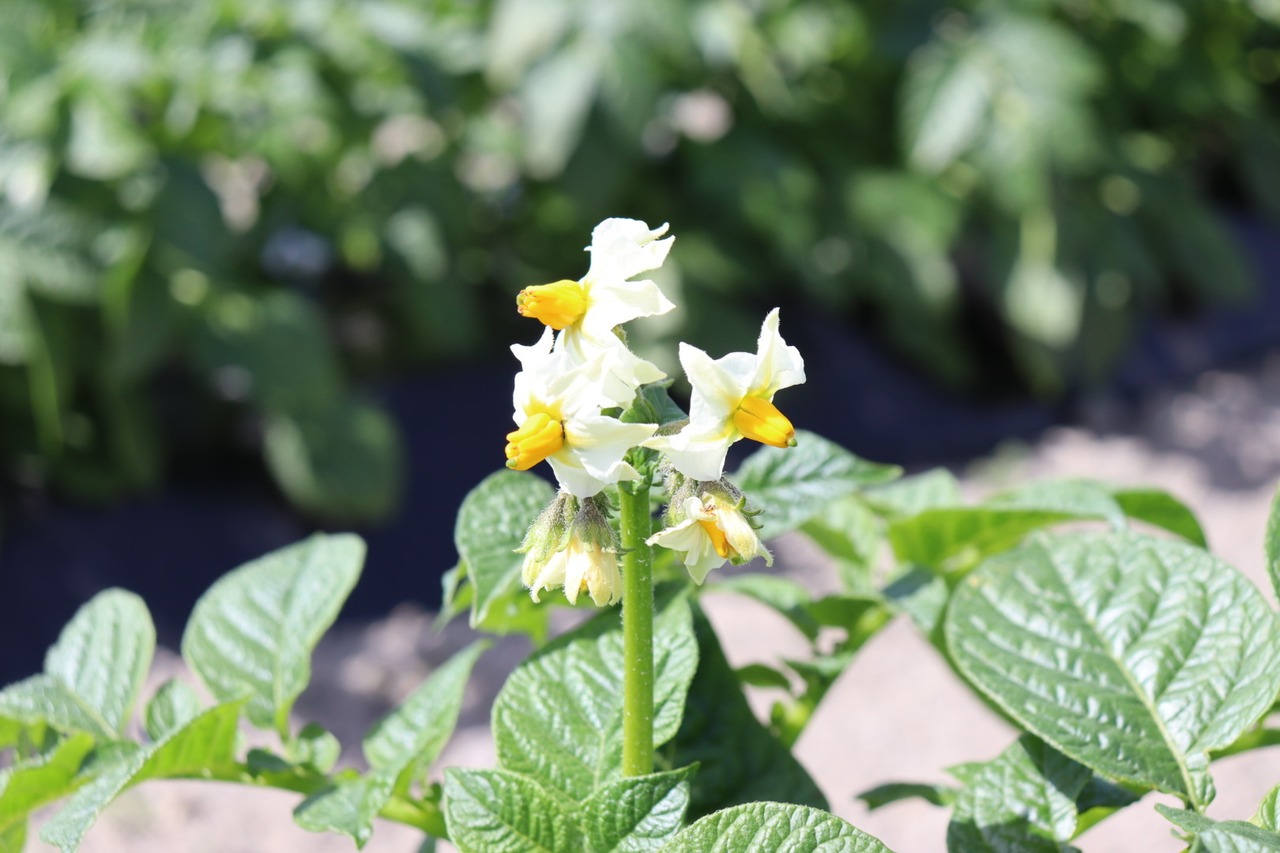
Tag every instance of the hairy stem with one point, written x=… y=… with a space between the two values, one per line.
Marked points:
x=637 y=631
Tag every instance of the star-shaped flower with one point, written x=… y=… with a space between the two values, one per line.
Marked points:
x=557 y=415
x=586 y=312
x=733 y=399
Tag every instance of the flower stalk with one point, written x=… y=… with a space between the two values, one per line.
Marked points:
x=637 y=629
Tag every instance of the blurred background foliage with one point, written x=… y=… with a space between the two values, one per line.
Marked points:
x=216 y=214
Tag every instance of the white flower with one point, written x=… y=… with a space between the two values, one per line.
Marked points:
x=733 y=399
x=557 y=415
x=713 y=531
x=579 y=567
x=587 y=311
x=572 y=545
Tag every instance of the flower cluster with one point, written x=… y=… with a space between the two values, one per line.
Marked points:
x=581 y=372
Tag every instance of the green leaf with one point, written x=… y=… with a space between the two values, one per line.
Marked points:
x=1133 y=655
x=28 y=785
x=559 y=716
x=637 y=814
x=410 y=738
x=774 y=828
x=1268 y=814
x=1225 y=836
x=348 y=807
x=253 y=631
x=1272 y=545
x=952 y=541
x=491 y=525
x=653 y=405
x=1023 y=800
x=173 y=706
x=342 y=461
x=759 y=675
x=1076 y=498
x=894 y=792
x=849 y=532
x=497 y=811
x=1161 y=510
x=208 y=741
x=793 y=484
x=43 y=699
x=932 y=489
x=13 y=839
x=102 y=655
x=946 y=100
x=922 y=595
x=315 y=747
x=739 y=760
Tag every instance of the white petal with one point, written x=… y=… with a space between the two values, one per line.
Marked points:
x=622 y=248
x=718 y=385
x=575 y=571
x=699 y=552
x=615 y=301
x=601 y=442
x=577 y=481
x=698 y=450
x=532 y=356
x=626 y=371
x=777 y=364
x=550 y=574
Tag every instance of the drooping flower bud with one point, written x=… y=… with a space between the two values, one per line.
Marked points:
x=709 y=524
x=571 y=545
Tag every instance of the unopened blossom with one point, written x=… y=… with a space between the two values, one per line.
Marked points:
x=587 y=312
x=733 y=399
x=558 y=419
x=571 y=545
x=711 y=529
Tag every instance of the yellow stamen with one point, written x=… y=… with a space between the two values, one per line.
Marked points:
x=558 y=305
x=539 y=436
x=718 y=539
x=759 y=420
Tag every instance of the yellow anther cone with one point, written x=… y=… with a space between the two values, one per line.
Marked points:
x=759 y=420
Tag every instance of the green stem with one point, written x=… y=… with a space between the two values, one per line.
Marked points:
x=637 y=631
x=419 y=814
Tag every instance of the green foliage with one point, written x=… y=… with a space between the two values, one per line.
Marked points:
x=559 y=716
x=398 y=749
x=739 y=760
x=250 y=639
x=1127 y=634
x=1225 y=836
x=1023 y=800
x=1128 y=661
x=491 y=525
x=773 y=828
x=506 y=812
x=92 y=674
x=203 y=744
x=1271 y=545
x=922 y=169
x=252 y=634
x=791 y=485
x=30 y=784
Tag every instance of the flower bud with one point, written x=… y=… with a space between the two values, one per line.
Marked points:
x=558 y=305
x=710 y=524
x=572 y=545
